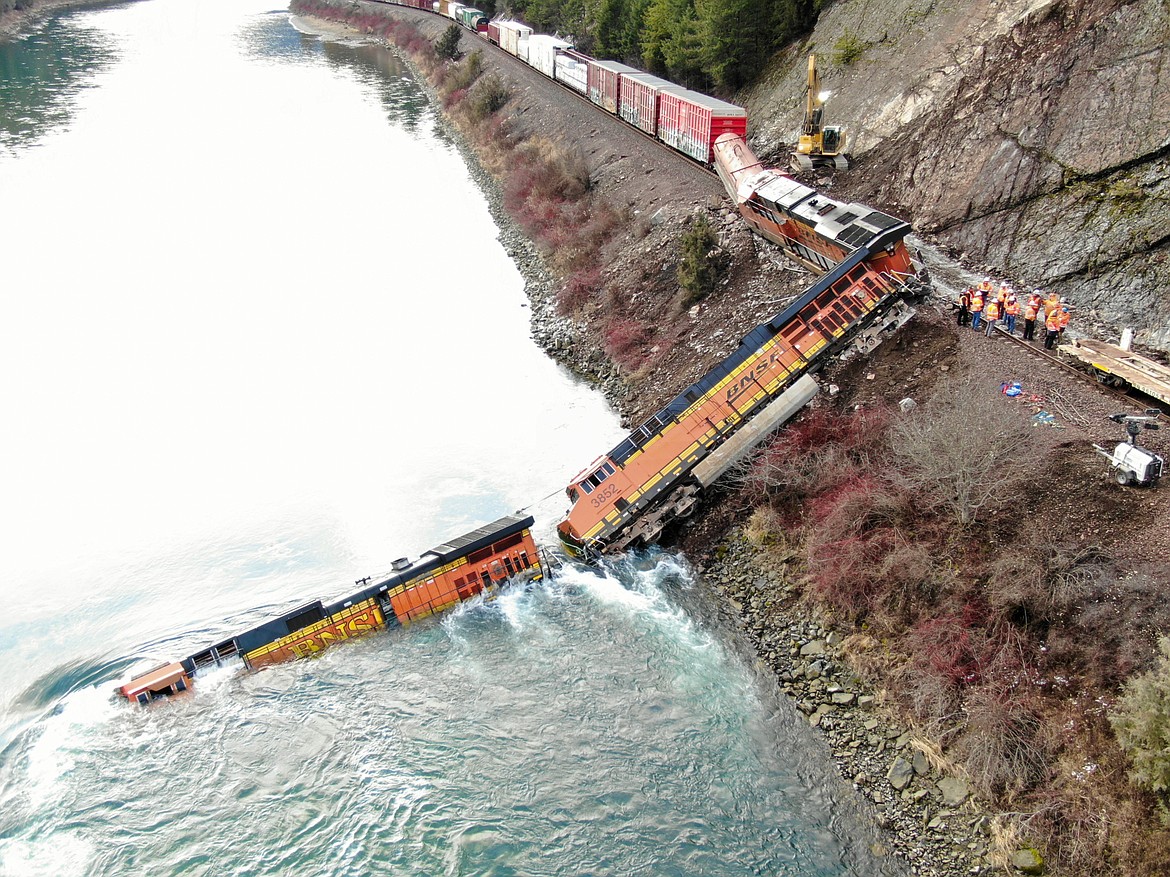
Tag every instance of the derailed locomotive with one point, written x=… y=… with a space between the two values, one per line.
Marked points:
x=459 y=569
x=625 y=497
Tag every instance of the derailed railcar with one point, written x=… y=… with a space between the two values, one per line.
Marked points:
x=474 y=563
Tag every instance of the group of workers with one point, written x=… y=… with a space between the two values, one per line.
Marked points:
x=986 y=304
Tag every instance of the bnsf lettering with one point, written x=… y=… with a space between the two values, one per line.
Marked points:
x=749 y=377
x=355 y=625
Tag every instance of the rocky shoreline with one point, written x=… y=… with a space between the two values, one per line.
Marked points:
x=930 y=817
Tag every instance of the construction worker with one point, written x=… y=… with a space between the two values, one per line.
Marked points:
x=990 y=316
x=965 y=306
x=1001 y=297
x=1052 y=328
x=1030 y=312
x=1011 y=310
x=1062 y=318
x=977 y=307
x=1050 y=304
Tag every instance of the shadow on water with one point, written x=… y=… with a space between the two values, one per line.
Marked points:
x=67 y=678
x=41 y=73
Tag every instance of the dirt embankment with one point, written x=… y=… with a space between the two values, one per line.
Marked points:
x=991 y=641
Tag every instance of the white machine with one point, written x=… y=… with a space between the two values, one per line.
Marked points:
x=1132 y=464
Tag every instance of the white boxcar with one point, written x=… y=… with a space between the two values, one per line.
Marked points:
x=573 y=71
x=511 y=33
x=542 y=53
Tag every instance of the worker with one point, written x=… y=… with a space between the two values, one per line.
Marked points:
x=1030 y=312
x=1063 y=318
x=1011 y=310
x=1052 y=329
x=1050 y=304
x=1001 y=297
x=965 y=306
x=977 y=307
x=990 y=316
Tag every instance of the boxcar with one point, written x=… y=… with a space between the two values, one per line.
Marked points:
x=542 y=53
x=493 y=32
x=690 y=122
x=512 y=33
x=639 y=99
x=605 y=83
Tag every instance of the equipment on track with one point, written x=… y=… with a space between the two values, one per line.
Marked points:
x=1132 y=464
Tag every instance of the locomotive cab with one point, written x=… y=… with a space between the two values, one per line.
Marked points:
x=596 y=495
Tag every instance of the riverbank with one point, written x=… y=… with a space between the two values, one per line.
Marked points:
x=15 y=21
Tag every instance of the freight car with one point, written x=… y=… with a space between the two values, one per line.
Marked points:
x=474 y=563
x=626 y=497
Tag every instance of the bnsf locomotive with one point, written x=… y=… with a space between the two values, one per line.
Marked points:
x=627 y=496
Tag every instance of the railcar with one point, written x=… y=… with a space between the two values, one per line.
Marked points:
x=474 y=563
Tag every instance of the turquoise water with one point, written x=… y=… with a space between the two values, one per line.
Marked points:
x=244 y=366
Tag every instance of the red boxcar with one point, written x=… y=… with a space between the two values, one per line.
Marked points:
x=639 y=99
x=605 y=83
x=690 y=122
x=493 y=32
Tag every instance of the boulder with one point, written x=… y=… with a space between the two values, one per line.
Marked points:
x=954 y=791
x=900 y=773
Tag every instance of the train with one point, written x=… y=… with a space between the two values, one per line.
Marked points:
x=868 y=278
x=478 y=562
x=687 y=121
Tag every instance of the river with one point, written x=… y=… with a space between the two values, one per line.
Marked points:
x=260 y=338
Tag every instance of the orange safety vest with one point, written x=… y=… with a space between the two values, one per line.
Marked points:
x=1012 y=308
x=1031 y=311
x=985 y=286
x=1053 y=322
x=1062 y=317
x=1051 y=303
x=992 y=311
x=976 y=303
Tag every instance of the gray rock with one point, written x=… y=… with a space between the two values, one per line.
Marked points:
x=900 y=773
x=815 y=648
x=954 y=791
x=920 y=762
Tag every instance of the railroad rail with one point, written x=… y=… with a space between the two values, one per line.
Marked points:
x=1129 y=395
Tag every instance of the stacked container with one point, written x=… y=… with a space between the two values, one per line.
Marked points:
x=605 y=83
x=573 y=70
x=690 y=122
x=639 y=99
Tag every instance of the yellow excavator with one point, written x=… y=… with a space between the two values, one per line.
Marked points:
x=820 y=146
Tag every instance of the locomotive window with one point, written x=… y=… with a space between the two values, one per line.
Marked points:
x=573 y=495
x=608 y=469
x=508 y=564
x=524 y=560
x=587 y=487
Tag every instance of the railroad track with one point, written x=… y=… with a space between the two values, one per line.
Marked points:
x=1129 y=395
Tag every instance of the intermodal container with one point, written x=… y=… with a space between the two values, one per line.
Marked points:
x=573 y=70
x=511 y=34
x=542 y=53
x=690 y=122
x=639 y=99
x=605 y=83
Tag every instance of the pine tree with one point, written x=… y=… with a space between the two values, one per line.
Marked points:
x=1142 y=724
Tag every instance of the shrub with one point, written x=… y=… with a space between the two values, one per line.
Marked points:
x=1002 y=745
x=578 y=290
x=448 y=45
x=848 y=49
x=962 y=449
x=1141 y=722
x=699 y=263
x=625 y=341
x=489 y=96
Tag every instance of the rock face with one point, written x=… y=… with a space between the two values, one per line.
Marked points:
x=1029 y=136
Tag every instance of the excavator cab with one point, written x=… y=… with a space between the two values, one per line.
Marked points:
x=819 y=146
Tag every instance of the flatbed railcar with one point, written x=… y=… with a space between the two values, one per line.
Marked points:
x=472 y=564
x=625 y=497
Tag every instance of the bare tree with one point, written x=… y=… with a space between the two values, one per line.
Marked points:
x=967 y=448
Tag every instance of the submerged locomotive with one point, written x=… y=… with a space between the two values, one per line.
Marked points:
x=474 y=563
x=625 y=497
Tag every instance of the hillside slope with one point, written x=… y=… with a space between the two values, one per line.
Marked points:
x=1031 y=137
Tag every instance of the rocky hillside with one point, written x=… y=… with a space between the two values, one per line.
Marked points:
x=1027 y=136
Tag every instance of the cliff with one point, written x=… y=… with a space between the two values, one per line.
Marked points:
x=1030 y=138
